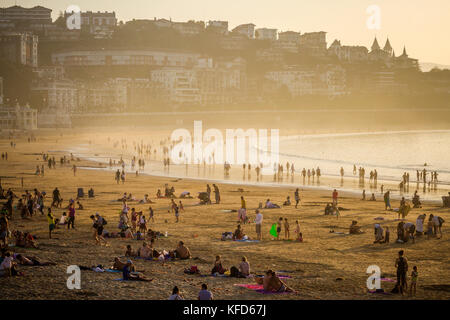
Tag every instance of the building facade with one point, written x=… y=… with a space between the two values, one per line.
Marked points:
x=19 y=48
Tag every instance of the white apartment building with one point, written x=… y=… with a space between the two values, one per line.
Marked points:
x=125 y=58
x=266 y=34
x=18 y=117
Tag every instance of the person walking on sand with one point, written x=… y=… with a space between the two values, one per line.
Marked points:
x=74 y=168
x=297 y=198
x=287 y=236
x=258 y=224
x=51 y=223
x=71 y=220
x=335 y=197
x=387 y=200
x=216 y=193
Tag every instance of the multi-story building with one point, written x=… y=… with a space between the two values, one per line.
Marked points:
x=55 y=93
x=313 y=43
x=189 y=28
x=36 y=15
x=179 y=83
x=19 y=48
x=247 y=30
x=125 y=58
x=266 y=34
x=220 y=27
x=288 y=41
x=99 y=24
x=18 y=118
x=319 y=80
x=349 y=54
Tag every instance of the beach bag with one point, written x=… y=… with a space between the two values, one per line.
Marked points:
x=234 y=272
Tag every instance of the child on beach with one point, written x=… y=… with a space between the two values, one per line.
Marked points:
x=387 y=233
x=297 y=230
x=286 y=229
x=151 y=214
x=414 y=276
x=279 y=223
x=429 y=228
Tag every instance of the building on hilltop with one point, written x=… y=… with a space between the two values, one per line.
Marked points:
x=36 y=15
x=247 y=30
x=313 y=44
x=266 y=34
x=350 y=54
x=288 y=41
x=220 y=27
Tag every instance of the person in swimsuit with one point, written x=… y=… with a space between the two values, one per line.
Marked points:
x=402 y=268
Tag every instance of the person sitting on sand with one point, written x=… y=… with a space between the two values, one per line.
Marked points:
x=181 y=252
x=118 y=265
x=400 y=232
x=378 y=234
x=130 y=252
x=270 y=205
x=238 y=233
x=129 y=273
x=271 y=283
x=218 y=268
x=328 y=209
x=80 y=206
x=145 y=251
x=372 y=198
x=176 y=295
x=159 y=194
x=354 y=228
x=8 y=266
x=287 y=202
x=244 y=268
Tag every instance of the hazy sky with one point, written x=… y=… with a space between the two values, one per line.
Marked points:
x=423 y=26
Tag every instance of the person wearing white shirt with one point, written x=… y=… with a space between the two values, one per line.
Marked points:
x=258 y=222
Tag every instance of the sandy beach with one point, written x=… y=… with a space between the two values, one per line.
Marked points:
x=325 y=266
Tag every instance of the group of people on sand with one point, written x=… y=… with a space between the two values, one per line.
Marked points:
x=9 y=262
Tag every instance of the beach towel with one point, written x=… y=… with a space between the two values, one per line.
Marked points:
x=112 y=270
x=247 y=240
x=273 y=230
x=258 y=288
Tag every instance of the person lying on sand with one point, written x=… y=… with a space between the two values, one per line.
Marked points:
x=270 y=205
x=30 y=260
x=272 y=283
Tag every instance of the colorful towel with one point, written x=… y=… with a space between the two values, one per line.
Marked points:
x=273 y=230
x=258 y=288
